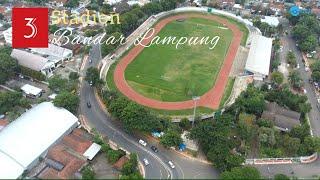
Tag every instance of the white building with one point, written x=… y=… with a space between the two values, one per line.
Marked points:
x=54 y=53
x=258 y=61
x=31 y=91
x=33 y=61
x=29 y=137
x=271 y=21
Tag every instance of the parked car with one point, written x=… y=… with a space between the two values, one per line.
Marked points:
x=146 y=162
x=88 y=104
x=2 y=116
x=154 y=149
x=142 y=142
x=171 y=164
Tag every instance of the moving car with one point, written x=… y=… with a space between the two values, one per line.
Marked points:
x=146 y=162
x=171 y=164
x=142 y=142
x=154 y=149
x=88 y=104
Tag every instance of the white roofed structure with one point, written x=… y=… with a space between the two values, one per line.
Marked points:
x=54 y=50
x=271 y=21
x=258 y=61
x=92 y=151
x=27 y=138
x=31 y=90
x=33 y=61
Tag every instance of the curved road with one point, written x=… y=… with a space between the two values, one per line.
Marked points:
x=103 y=123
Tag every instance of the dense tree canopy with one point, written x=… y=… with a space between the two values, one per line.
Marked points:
x=277 y=77
x=93 y=76
x=8 y=66
x=306 y=32
x=295 y=79
x=241 y=173
x=68 y=101
x=214 y=138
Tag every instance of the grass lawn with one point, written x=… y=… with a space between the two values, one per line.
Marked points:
x=227 y=91
x=165 y=73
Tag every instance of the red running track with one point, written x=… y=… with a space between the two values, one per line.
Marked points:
x=210 y=99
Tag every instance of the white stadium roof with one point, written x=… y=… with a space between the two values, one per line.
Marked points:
x=258 y=61
x=29 y=136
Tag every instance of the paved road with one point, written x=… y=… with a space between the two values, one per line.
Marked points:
x=314 y=115
x=298 y=170
x=158 y=168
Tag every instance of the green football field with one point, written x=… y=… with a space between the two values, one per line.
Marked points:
x=165 y=73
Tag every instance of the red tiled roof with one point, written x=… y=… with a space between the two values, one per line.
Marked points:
x=2 y=10
x=119 y=164
x=3 y=123
x=71 y=163
x=77 y=141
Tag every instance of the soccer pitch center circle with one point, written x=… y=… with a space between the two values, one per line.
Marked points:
x=164 y=77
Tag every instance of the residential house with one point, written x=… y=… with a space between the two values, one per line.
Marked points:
x=282 y=118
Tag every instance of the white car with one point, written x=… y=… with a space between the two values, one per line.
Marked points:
x=171 y=164
x=146 y=162
x=142 y=142
x=298 y=66
x=304 y=91
x=307 y=69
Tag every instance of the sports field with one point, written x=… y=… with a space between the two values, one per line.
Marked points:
x=165 y=73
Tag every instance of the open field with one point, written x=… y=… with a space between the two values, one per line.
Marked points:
x=182 y=72
x=165 y=73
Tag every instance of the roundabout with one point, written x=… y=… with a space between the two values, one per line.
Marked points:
x=166 y=77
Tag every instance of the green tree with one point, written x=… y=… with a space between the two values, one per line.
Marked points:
x=277 y=77
x=309 y=44
x=291 y=145
x=9 y=100
x=68 y=101
x=53 y=28
x=291 y=59
x=315 y=76
x=251 y=101
x=136 y=117
x=131 y=166
x=171 y=138
x=57 y=83
x=281 y=177
x=92 y=76
x=315 y=66
x=73 y=76
x=241 y=173
x=295 y=79
x=72 y=3
x=7 y=68
x=185 y=124
x=88 y=173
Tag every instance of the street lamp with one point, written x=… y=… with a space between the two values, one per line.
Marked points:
x=194 y=98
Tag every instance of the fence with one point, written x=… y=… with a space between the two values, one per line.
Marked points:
x=289 y=160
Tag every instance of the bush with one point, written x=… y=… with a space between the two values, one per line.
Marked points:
x=31 y=73
x=114 y=155
x=88 y=173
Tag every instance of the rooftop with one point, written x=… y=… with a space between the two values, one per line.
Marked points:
x=283 y=118
x=42 y=125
